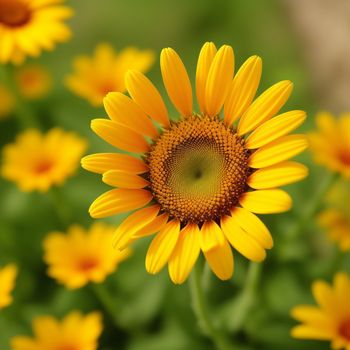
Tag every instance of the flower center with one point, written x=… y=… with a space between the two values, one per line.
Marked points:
x=88 y=264
x=344 y=329
x=43 y=167
x=198 y=169
x=14 y=13
x=344 y=157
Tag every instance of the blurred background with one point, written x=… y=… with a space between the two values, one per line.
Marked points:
x=304 y=41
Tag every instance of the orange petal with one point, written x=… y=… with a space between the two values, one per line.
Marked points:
x=122 y=179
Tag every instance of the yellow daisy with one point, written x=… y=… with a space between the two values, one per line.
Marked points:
x=337 y=225
x=200 y=179
x=81 y=256
x=74 y=332
x=33 y=81
x=331 y=319
x=38 y=161
x=330 y=144
x=29 y=26
x=95 y=76
x=7 y=104
x=8 y=275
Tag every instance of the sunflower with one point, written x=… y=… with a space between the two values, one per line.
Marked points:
x=75 y=331
x=33 y=81
x=95 y=76
x=29 y=26
x=38 y=161
x=81 y=255
x=331 y=319
x=8 y=275
x=330 y=144
x=200 y=179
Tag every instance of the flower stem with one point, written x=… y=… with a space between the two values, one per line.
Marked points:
x=24 y=114
x=246 y=299
x=200 y=307
x=313 y=206
x=106 y=300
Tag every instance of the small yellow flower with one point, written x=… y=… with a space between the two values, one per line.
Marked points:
x=7 y=102
x=37 y=161
x=95 y=76
x=29 y=26
x=81 y=256
x=331 y=319
x=330 y=144
x=337 y=224
x=198 y=182
x=8 y=275
x=74 y=332
x=33 y=81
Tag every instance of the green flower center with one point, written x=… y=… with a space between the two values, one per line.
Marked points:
x=198 y=169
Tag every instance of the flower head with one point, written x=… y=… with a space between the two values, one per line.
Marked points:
x=95 y=76
x=331 y=319
x=8 y=275
x=81 y=256
x=330 y=144
x=7 y=104
x=200 y=179
x=38 y=161
x=29 y=26
x=33 y=81
x=74 y=332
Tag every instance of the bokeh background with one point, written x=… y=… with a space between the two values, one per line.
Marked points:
x=306 y=42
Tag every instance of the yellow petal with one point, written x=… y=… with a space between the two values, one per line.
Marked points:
x=265 y=106
x=132 y=224
x=277 y=151
x=241 y=241
x=220 y=260
x=125 y=111
x=152 y=227
x=325 y=297
x=162 y=247
x=101 y=162
x=146 y=95
x=118 y=201
x=243 y=89
x=277 y=175
x=311 y=332
x=119 y=136
x=275 y=128
x=219 y=80
x=185 y=254
x=205 y=59
x=176 y=81
x=122 y=179
x=211 y=236
x=251 y=224
x=266 y=201
x=311 y=314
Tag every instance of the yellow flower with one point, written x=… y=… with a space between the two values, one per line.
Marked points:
x=331 y=320
x=81 y=256
x=29 y=26
x=33 y=81
x=7 y=102
x=201 y=178
x=337 y=224
x=8 y=275
x=37 y=161
x=330 y=144
x=74 y=332
x=95 y=76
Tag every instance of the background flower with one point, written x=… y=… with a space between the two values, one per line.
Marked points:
x=8 y=275
x=82 y=256
x=104 y=72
